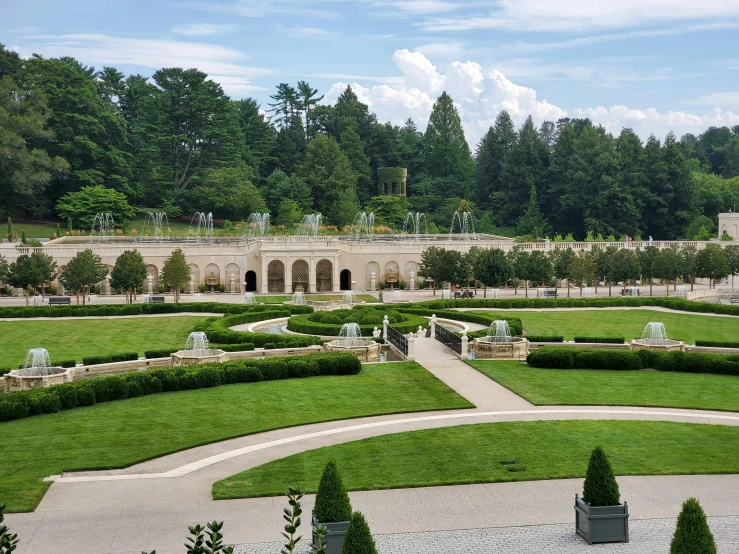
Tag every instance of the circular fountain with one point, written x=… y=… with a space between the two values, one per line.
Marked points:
x=196 y=352
x=654 y=337
x=350 y=299
x=350 y=340
x=37 y=372
x=499 y=343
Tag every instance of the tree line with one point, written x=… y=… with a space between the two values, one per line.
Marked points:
x=610 y=266
x=176 y=142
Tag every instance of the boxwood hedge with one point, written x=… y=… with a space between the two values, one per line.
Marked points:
x=87 y=392
x=605 y=340
x=329 y=323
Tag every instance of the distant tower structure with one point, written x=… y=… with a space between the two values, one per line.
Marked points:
x=392 y=180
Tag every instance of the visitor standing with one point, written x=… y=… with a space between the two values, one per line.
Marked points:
x=379 y=296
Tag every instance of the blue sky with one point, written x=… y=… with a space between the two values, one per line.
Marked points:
x=654 y=65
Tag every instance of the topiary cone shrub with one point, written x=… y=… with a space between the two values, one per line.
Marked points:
x=692 y=535
x=358 y=538
x=332 y=501
x=601 y=488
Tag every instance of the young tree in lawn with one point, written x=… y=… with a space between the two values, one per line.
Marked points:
x=490 y=266
x=444 y=266
x=128 y=273
x=561 y=262
x=519 y=261
x=539 y=267
x=82 y=272
x=670 y=266
x=624 y=267
x=712 y=263
x=690 y=255
x=31 y=271
x=602 y=258
x=176 y=272
x=582 y=269
x=732 y=257
x=649 y=260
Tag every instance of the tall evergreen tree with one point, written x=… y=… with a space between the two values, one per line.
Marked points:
x=491 y=157
x=259 y=135
x=353 y=148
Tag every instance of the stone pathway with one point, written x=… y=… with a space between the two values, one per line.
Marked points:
x=646 y=537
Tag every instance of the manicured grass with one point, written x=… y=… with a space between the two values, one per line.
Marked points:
x=118 y=434
x=625 y=323
x=318 y=297
x=496 y=452
x=615 y=388
x=71 y=339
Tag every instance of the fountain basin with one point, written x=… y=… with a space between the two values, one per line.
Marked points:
x=27 y=379
x=665 y=345
x=490 y=348
x=197 y=357
x=367 y=350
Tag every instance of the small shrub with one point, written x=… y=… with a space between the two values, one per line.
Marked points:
x=43 y=402
x=65 y=363
x=158 y=353
x=302 y=367
x=67 y=394
x=601 y=488
x=358 y=538
x=332 y=501
x=273 y=368
x=544 y=338
x=692 y=535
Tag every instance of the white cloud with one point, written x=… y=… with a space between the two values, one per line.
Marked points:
x=196 y=29
x=480 y=95
x=415 y=7
x=727 y=99
x=581 y=15
x=307 y=32
x=223 y=65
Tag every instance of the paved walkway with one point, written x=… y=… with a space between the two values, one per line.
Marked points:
x=150 y=505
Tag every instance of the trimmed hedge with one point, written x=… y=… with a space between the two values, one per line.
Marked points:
x=688 y=362
x=329 y=323
x=110 y=358
x=137 y=309
x=87 y=392
x=607 y=340
x=717 y=344
x=544 y=338
x=159 y=353
x=469 y=317
x=219 y=335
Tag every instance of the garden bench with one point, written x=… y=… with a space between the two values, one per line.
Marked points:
x=463 y=294
x=59 y=301
x=548 y=294
x=157 y=300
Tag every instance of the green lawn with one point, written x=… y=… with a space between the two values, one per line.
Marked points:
x=495 y=452
x=118 y=434
x=74 y=338
x=614 y=388
x=319 y=297
x=625 y=323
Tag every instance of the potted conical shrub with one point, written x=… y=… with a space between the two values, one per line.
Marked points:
x=599 y=516
x=692 y=535
x=358 y=537
x=333 y=509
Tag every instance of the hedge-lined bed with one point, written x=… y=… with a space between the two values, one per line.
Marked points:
x=87 y=392
x=688 y=362
x=519 y=303
x=469 y=317
x=220 y=336
x=367 y=317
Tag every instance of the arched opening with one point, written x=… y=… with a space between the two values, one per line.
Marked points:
x=233 y=278
x=384 y=188
x=300 y=276
x=276 y=276
x=152 y=277
x=324 y=281
x=410 y=271
x=345 y=279
x=251 y=281
x=395 y=188
x=392 y=275
x=372 y=276
x=212 y=277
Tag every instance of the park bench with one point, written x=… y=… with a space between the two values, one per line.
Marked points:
x=631 y=291
x=463 y=294
x=59 y=301
x=548 y=293
x=157 y=300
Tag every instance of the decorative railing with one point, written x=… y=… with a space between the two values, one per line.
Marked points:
x=449 y=339
x=397 y=340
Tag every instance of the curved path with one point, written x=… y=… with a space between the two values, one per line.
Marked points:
x=177 y=488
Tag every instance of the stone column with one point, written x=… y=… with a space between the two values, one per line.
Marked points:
x=288 y=276
x=312 y=275
x=411 y=348
x=465 y=344
x=335 y=284
x=264 y=284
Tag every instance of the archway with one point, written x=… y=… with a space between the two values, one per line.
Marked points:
x=392 y=275
x=324 y=276
x=300 y=276
x=410 y=267
x=212 y=276
x=345 y=280
x=251 y=281
x=276 y=276
x=233 y=278
x=371 y=271
x=194 y=278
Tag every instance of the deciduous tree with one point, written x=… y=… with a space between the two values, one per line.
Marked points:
x=82 y=272
x=175 y=272
x=128 y=272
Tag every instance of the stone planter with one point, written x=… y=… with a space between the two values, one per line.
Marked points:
x=598 y=524
x=334 y=535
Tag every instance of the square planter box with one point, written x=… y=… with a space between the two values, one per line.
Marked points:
x=598 y=524
x=334 y=535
